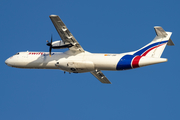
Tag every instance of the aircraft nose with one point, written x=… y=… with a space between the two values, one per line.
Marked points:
x=7 y=62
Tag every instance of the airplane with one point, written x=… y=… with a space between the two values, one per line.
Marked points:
x=77 y=60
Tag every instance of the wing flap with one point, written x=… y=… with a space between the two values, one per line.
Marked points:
x=100 y=76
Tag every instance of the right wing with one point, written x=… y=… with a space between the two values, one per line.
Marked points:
x=100 y=76
x=65 y=34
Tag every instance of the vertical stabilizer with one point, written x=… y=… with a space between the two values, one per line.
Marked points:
x=156 y=47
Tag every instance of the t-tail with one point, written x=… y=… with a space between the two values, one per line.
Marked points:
x=149 y=54
x=156 y=47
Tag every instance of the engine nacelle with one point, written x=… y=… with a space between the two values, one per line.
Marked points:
x=60 y=45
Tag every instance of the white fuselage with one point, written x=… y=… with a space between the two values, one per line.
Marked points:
x=79 y=63
x=82 y=62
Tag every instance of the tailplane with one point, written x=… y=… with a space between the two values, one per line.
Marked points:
x=156 y=47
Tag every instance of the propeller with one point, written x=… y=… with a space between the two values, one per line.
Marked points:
x=50 y=45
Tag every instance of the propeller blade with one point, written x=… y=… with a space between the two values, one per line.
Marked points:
x=50 y=45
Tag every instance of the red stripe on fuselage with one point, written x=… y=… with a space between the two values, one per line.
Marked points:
x=135 y=61
x=145 y=53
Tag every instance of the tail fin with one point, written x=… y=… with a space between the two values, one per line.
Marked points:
x=156 y=47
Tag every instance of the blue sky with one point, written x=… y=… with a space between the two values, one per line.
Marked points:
x=146 y=93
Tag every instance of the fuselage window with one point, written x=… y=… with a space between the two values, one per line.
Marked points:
x=17 y=53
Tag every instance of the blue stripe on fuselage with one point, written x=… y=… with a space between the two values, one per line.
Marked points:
x=125 y=62
x=140 y=52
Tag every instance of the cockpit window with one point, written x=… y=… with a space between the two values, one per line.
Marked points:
x=17 y=53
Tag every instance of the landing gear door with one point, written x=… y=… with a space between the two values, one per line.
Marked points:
x=71 y=66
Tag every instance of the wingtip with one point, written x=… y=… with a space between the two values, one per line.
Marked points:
x=52 y=15
x=157 y=26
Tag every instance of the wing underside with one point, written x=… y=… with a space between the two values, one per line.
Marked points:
x=100 y=76
x=65 y=34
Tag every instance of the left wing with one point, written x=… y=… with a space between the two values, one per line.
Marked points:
x=100 y=76
x=65 y=34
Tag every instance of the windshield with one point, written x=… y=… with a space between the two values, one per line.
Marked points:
x=17 y=53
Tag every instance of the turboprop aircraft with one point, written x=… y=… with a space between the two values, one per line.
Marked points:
x=77 y=60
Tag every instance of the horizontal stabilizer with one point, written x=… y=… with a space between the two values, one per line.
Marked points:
x=170 y=42
x=160 y=31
